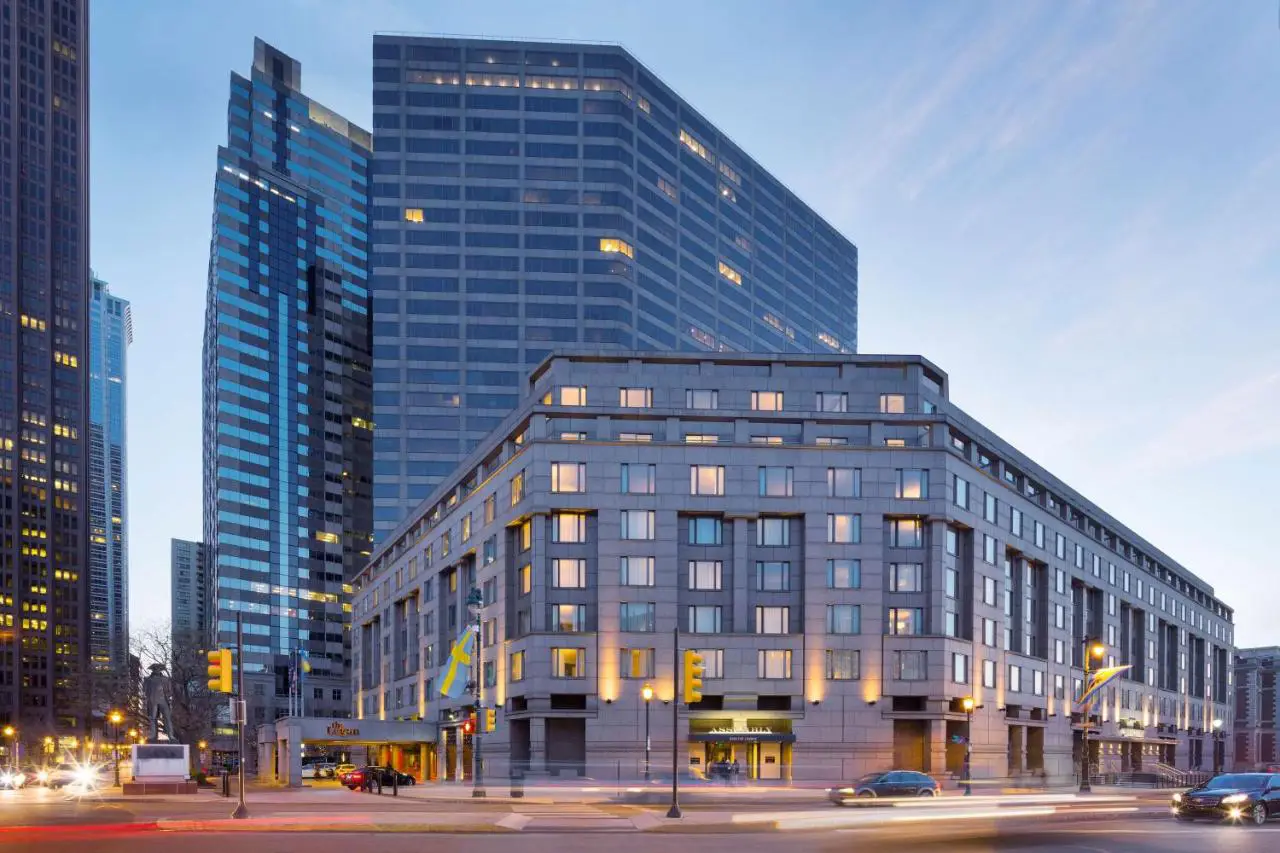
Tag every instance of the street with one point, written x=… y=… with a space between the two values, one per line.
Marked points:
x=1099 y=837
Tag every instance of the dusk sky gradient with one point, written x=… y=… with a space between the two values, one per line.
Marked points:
x=1073 y=208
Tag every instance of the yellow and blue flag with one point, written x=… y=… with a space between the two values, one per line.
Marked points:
x=458 y=668
x=1098 y=680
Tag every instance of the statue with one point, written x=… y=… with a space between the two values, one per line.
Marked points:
x=155 y=691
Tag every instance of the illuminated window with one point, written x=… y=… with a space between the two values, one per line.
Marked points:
x=766 y=401
x=568 y=618
x=573 y=396
x=568 y=477
x=636 y=571
x=705 y=575
x=568 y=574
x=728 y=172
x=636 y=663
x=636 y=437
x=773 y=620
x=325 y=536
x=524 y=577
x=501 y=80
x=613 y=244
x=700 y=438
x=517 y=666
x=517 y=488
x=766 y=439
x=564 y=83
x=568 y=663
x=706 y=480
x=569 y=527
x=844 y=528
x=413 y=214
x=893 y=404
x=730 y=273
x=635 y=398
x=773 y=663
x=696 y=147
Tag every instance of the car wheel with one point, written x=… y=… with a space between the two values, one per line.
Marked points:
x=1259 y=814
x=1185 y=818
x=865 y=795
x=927 y=792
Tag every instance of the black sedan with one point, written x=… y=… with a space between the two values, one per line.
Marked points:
x=1254 y=797
x=373 y=775
x=895 y=783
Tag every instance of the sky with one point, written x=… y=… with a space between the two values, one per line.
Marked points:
x=1072 y=208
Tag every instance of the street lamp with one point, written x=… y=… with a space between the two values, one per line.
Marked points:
x=1092 y=649
x=117 y=719
x=10 y=734
x=475 y=604
x=647 y=693
x=1217 y=739
x=967 y=704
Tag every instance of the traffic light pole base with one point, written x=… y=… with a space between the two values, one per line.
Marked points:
x=674 y=811
x=241 y=812
x=478 y=794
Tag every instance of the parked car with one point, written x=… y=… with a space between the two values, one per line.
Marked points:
x=1254 y=797
x=308 y=771
x=894 y=783
x=324 y=769
x=341 y=771
x=383 y=775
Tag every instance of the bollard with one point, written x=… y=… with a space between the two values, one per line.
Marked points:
x=226 y=783
x=517 y=784
x=395 y=782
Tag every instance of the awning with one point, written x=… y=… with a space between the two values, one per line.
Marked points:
x=742 y=737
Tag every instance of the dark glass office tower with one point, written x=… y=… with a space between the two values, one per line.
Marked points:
x=530 y=197
x=44 y=366
x=287 y=387
x=110 y=334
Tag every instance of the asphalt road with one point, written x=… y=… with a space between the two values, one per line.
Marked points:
x=1101 y=837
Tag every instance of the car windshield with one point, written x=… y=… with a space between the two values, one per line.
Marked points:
x=1239 y=781
x=869 y=778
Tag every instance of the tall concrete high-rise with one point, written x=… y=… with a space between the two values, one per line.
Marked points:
x=189 y=594
x=288 y=426
x=110 y=334
x=44 y=366
x=529 y=197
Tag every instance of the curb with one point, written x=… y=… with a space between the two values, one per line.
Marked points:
x=267 y=826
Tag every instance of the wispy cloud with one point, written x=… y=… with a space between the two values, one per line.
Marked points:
x=1240 y=420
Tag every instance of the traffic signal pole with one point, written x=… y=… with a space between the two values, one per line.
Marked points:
x=242 y=811
x=674 y=811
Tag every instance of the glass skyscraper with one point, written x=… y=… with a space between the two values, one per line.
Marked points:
x=110 y=334
x=44 y=367
x=529 y=197
x=287 y=386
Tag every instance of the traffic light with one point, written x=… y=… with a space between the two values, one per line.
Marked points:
x=220 y=671
x=693 y=670
x=490 y=719
x=468 y=725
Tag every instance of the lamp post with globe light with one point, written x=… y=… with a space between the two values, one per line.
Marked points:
x=117 y=720
x=11 y=735
x=1092 y=650
x=646 y=693
x=1217 y=740
x=475 y=605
